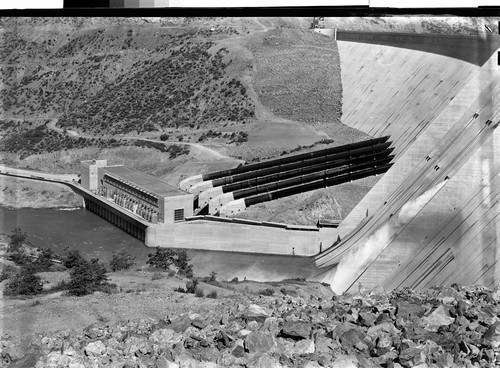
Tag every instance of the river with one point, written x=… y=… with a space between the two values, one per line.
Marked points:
x=94 y=237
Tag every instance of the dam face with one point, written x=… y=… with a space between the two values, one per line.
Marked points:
x=434 y=217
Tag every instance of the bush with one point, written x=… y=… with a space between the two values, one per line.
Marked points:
x=72 y=259
x=266 y=292
x=199 y=293
x=213 y=276
x=44 y=260
x=191 y=286
x=87 y=277
x=17 y=239
x=121 y=261
x=25 y=283
x=165 y=258
x=212 y=294
x=180 y=289
x=8 y=272
x=164 y=137
x=20 y=257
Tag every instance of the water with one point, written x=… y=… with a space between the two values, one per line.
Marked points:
x=94 y=237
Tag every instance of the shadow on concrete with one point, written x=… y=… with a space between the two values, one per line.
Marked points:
x=474 y=50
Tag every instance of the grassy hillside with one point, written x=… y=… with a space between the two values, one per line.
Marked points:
x=286 y=78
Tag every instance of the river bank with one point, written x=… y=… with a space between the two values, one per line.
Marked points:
x=19 y=193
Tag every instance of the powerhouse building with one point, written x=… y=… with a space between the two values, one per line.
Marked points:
x=145 y=196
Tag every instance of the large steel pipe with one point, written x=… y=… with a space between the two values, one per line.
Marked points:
x=220 y=199
x=320 y=175
x=316 y=185
x=304 y=170
x=299 y=157
x=239 y=205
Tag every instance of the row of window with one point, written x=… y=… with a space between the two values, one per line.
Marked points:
x=152 y=199
x=145 y=210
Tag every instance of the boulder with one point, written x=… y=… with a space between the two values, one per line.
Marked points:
x=200 y=323
x=344 y=361
x=180 y=324
x=296 y=330
x=259 y=342
x=165 y=337
x=367 y=319
x=409 y=311
x=325 y=345
x=439 y=317
x=304 y=347
x=350 y=338
x=412 y=357
x=96 y=348
x=238 y=351
x=254 y=313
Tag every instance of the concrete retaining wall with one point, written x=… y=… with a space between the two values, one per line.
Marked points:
x=234 y=237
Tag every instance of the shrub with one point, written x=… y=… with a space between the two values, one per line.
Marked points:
x=199 y=293
x=212 y=294
x=234 y=280
x=20 y=257
x=191 y=286
x=164 y=137
x=72 y=259
x=266 y=292
x=44 y=260
x=25 y=283
x=8 y=271
x=121 y=261
x=16 y=239
x=164 y=258
x=180 y=289
x=213 y=276
x=87 y=277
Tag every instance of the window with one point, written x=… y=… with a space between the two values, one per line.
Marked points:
x=179 y=215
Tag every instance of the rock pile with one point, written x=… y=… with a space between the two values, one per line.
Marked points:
x=456 y=326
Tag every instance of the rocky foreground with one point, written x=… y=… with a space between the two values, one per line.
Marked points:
x=455 y=326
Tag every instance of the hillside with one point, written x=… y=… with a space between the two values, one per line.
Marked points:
x=248 y=88
x=244 y=89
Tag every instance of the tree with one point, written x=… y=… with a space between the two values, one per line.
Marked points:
x=121 y=261
x=164 y=258
x=44 y=260
x=87 y=277
x=25 y=283
x=17 y=239
x=72 y=259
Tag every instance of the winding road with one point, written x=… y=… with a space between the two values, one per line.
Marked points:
x=201 y=148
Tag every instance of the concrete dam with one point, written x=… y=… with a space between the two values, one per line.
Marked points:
x=434 y=217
